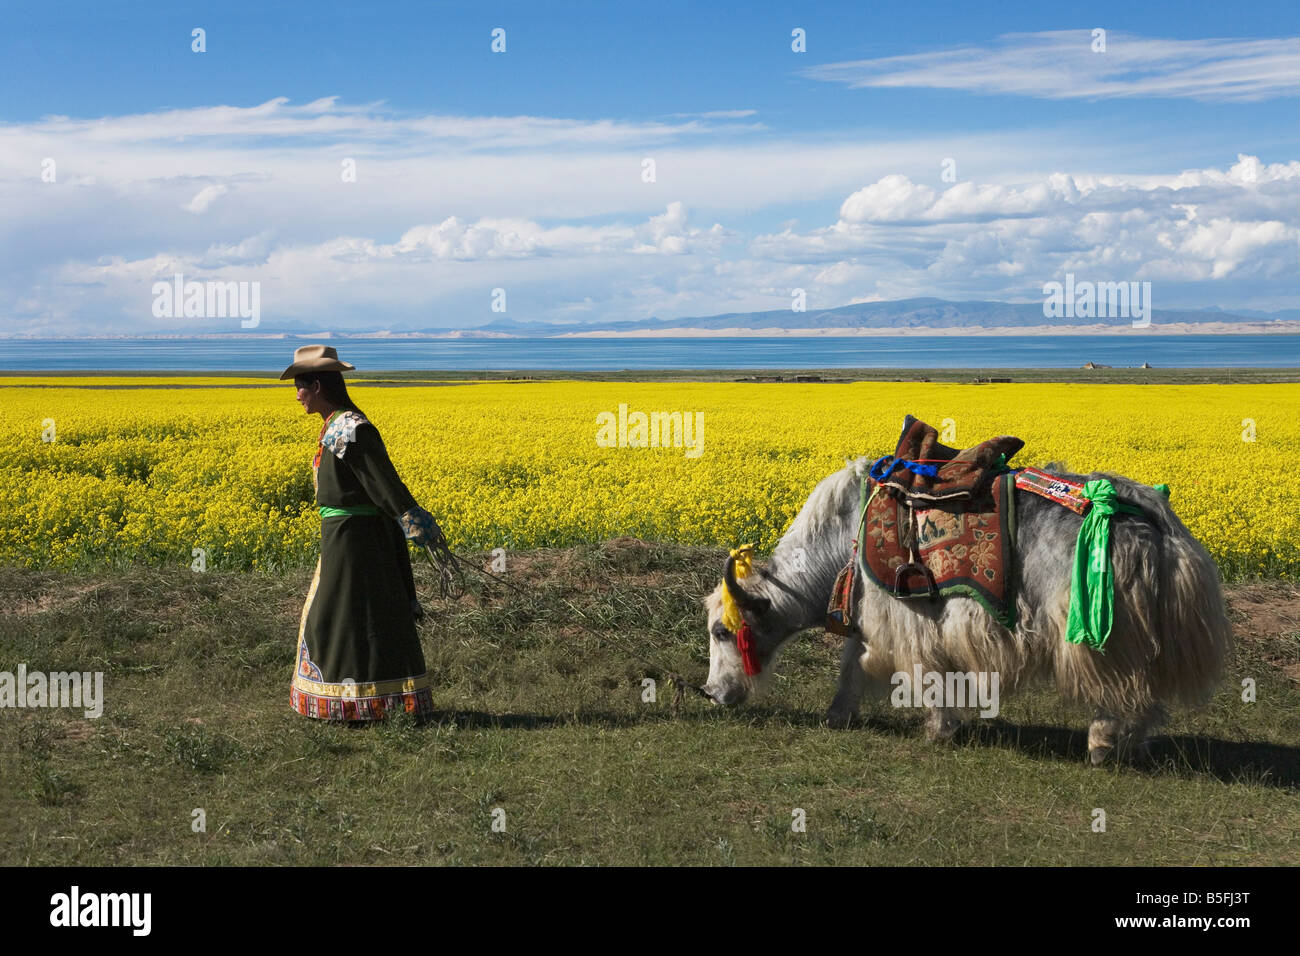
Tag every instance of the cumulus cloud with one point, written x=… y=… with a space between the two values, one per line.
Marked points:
x=1065 y=64
x=1198 y=225
x=306 y=279
x=897 y=199
x=668 y=234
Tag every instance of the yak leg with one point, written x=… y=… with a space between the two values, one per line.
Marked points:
x=1127 y=739
x=1103 y=737
x=1135 y=735
x=941 y=723
x=852 y=683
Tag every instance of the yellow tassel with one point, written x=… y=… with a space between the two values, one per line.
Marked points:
x=732 y=619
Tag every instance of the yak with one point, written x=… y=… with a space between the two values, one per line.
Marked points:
x=1168 y=644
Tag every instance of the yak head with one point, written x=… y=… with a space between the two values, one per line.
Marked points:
x=728 y=682
x=790 y=594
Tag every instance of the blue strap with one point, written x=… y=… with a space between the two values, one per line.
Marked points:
x=880 y=471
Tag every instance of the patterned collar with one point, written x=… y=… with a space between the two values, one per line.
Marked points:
x=340 y=431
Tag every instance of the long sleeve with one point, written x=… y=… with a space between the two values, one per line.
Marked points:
x=367 y=459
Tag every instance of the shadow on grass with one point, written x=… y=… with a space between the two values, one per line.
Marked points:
x=1231 y=761
x=1262 y=764
x=480 y=719
x=1257 y=763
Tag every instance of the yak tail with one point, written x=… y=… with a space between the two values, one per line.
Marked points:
x=1176 y=597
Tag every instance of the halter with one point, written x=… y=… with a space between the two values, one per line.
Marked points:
x=733 y=619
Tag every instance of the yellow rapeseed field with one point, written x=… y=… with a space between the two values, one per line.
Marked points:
x=151 y=474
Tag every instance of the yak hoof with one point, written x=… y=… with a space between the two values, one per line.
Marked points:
x=940 y=726
x=838 y=719
x=1136 y=752
x=1131 y=754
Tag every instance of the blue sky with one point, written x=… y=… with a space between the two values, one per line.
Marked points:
x=1171 y=156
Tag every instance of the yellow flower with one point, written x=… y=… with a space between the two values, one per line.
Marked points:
x=149 y=474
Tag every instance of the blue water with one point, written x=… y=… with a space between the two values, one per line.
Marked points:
x=272 y=355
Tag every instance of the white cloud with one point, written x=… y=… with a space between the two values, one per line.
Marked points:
x=1242 y=223
x=205 y=197
x=326 y=121
x=893 y=199
x=284 y=164
x=460 y=258
x=144 y=187
x=668 y=233
x=897 y=199
x=446 y=208
x=1063 y=65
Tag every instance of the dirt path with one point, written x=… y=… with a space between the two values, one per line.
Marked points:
x=1266 y=616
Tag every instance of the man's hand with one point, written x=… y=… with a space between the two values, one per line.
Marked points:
x=420 y=528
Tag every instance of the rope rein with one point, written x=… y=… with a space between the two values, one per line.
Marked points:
x=451 y=584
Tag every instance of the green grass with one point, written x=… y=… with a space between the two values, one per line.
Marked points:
x=545 y=722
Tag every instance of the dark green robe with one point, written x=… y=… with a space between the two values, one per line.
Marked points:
x=358 y=651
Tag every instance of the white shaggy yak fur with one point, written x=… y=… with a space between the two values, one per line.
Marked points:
x=1168 y=645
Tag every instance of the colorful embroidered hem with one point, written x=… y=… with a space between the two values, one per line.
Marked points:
x=419 y=703
x=312 y=696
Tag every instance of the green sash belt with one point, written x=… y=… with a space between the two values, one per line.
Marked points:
x=1092 y=587
x=328 y=512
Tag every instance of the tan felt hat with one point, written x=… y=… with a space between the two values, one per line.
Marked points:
x=315 y=358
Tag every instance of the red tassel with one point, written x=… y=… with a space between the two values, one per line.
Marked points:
x=748 y=653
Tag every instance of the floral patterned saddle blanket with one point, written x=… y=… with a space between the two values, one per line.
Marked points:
x=936 y=521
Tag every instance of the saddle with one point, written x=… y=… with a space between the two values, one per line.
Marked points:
x=922 y=471
x=939 y=521
x=935 y=521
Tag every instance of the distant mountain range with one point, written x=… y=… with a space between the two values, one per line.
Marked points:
x=928 y=313
x=905 y=316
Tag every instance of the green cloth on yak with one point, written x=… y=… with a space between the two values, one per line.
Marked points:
x=1092 y=587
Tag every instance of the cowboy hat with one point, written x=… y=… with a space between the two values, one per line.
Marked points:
x=315 y=358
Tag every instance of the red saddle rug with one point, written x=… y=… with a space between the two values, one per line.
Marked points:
x=946 y=529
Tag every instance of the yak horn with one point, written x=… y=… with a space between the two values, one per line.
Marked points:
x=742 y=597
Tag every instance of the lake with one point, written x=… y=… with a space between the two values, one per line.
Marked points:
x=376 y=354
